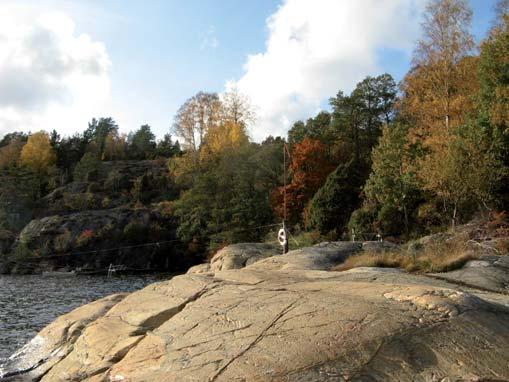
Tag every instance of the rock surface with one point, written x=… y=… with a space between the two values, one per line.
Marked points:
x=282 y=318
x=91 y=240
x=238 y=256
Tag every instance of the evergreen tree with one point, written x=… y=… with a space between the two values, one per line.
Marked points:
x=392 y=185
x=142 y=143
x=331 y=206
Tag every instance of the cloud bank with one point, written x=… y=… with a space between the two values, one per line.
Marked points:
x=50 y=77
x=314 y=48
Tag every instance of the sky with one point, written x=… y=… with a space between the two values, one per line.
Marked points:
x=64 y=62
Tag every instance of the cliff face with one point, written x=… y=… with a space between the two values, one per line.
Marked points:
x=281 y=318
x=113 y=218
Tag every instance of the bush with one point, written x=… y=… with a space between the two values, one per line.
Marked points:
x=85 y=238
x=80 y=202
x=116 y=181
x=107 y=231
x=362 y=221
x=94 y=187
x=22 y=252
x=62 y=242
x=87 y=168
x=439 y=257
x=106 y=202
x=135 y=232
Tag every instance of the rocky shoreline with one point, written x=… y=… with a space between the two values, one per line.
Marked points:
x=251 y=315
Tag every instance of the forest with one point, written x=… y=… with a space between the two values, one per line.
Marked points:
x=392 y=159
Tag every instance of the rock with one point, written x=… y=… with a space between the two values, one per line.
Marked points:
x=282 y=319
x=7 y=239
x=490 y=272
x=238 y=256
x=434 y=239
x=379 y=246
x=320 y=257
x=115 y=179
x=92 y=240
x=56 y=341
x=200 y=269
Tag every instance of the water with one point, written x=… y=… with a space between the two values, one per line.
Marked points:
x=29 y=303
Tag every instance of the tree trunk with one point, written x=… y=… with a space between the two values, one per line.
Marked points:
x=454 y=213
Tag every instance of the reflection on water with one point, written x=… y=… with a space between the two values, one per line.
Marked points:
x=28 y=303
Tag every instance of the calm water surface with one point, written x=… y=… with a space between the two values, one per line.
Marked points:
x=28 y=303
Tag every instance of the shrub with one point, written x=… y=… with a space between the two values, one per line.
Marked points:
x=62 y=242
x=165 y=208
x=80 y=202
x=85 y=238
x=439 y=257
x=94 y=187
x=106 y=202
x=135 y=232
x=106 y=231
x=116 y=181
x=87 y=168
x=21 y=252
x=362 y=220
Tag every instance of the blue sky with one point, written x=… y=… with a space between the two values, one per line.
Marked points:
x=152 y=55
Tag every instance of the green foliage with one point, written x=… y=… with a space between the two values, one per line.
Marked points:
x=332 y=205
x=21 y=252
x=493 y=100
x=392 y=185
x=357 y=119
x=142 y=143
x=362 y=221
x=227 y=202
x=87 y=168
x=463 y=172
x=97 y=132
x=144 y=188
x=81 y=202
x=166 y=148
x=135 y=232
x=63 y=242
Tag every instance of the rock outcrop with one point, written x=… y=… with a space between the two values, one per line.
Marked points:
x=91 y=240
x=281 y=318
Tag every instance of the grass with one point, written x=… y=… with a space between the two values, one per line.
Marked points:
x=438 y=257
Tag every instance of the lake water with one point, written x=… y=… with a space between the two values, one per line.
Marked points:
x=29 y=303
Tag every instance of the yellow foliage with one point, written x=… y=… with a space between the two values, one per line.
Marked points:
x=38 y=154
x=227 y=135
x=438 y=99
x=9 y=154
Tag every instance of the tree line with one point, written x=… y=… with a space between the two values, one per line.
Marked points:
x=395 y=159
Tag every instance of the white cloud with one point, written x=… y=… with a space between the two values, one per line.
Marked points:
x=315 y=48
x=50 y=77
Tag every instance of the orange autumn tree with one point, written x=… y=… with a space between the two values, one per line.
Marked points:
x=438 y=91
x=308 y=169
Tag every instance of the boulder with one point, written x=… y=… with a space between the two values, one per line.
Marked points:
x=322 y=256
x=489 y=272
x=238 y=256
